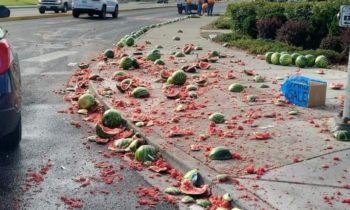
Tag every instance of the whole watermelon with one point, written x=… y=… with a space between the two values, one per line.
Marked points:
x=153 y=56
x=140 y=92
x=235 y=87
x=268 y=57
x=214 y=53
x=179 y=55
x=321 y=61
x=126 y=63
x=275 y=58
x=109 y=53
x=112 y=119
x=310 y=60
x=134 y=63
x=294 y=57
x=86 y=101
x=120 y=44
x=301 y=61
x=159 y=62
x=217 y=117
x=145 y=153
x=130 y=41
x=342 y=135
x=179 y=77
x=286 y=59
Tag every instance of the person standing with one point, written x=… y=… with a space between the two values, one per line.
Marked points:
x=210 y=7
x=188 y=6
x=199 y=7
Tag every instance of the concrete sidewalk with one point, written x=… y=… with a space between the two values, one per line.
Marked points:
x=27 y=13
x=300 y=167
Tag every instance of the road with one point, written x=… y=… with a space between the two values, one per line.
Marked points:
x=122 y=6
x=45 y=48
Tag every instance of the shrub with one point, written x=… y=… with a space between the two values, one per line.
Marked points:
x=267 y=11
x=345 y=40
x=294 y=32
x=227 y=37
x=324 y=16
x=249 y=26
x=298 y=11
x=331 y=43
x=239 y=13
x=267 y=28
x=223 y=22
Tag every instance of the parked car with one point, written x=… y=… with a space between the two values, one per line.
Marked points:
x=4 y=11
x=10 y=95
x=96 y=7
x=54 y=5
x=162 y=1
x=181 y=6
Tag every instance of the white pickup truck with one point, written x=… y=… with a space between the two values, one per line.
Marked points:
x=54 y=5
x=96 y=7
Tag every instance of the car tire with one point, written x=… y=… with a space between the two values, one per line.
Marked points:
x=102 y=14
x=90 y=14
x=116 y=12
x=12 y=140
x=57 y=11
x=65 y=8
x=179 y=11
x=75 y=14
x=42 y=10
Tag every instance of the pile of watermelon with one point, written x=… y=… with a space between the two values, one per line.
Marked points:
x=129 y=39
x=302 y=61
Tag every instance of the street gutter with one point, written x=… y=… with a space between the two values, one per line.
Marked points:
x=41 y=16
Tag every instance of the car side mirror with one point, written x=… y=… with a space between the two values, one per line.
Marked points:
x=3 y=33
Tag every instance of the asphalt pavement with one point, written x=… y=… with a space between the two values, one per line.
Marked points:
x=47 y=50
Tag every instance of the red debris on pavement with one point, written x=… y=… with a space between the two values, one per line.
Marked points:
x=72 y=202
x=34 y=178
x=148 y=196
x=217 y=202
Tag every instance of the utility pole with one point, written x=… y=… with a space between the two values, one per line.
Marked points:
x=346 y=109
x=344 y=21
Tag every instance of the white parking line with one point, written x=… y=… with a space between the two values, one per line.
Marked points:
x=50 y=56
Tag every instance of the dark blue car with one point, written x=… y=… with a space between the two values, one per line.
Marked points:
x=10 y=95
x=4 y=11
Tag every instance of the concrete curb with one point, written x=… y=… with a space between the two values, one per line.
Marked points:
x=22 y=7
x=42 y=16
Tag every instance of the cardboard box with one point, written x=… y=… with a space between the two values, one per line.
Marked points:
x=304 y=91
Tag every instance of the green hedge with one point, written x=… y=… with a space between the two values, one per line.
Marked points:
x=223 y=22
x=322 y=15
